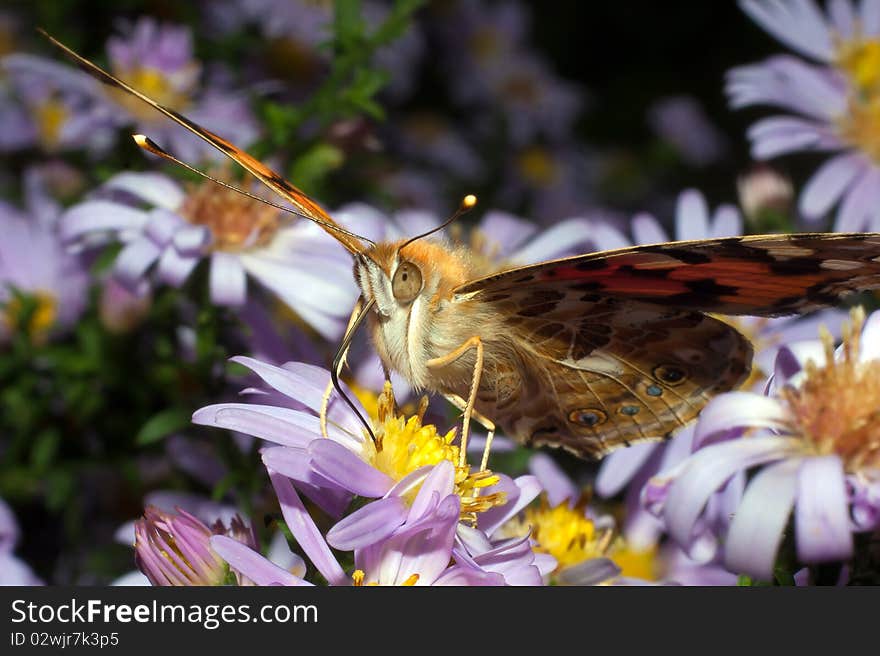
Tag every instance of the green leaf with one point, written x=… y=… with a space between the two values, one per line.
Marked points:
x=315 y=164
x=44 y=449
x=162 y=425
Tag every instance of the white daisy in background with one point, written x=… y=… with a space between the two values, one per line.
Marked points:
x=837 y=103
x=170 y=229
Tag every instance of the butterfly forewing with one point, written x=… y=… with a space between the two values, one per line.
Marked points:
x=762 y=275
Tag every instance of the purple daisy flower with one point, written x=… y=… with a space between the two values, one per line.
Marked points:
x=156 y=59
x=13 y=570
x=34 y=262
x=836 y=102
x=416 y=552
x=301 y=265
x=812 y=442
x=333 y=462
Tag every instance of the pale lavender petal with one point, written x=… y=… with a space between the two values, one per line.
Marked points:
x=738 y=410
x=438 y=484
x=306 y=532
x=294 y=463
x=191 y=240
x=870 y=13
x=280 y=425
x=344 y=468
x=870 y=341
x=173 y=269
x=647 y=230
x=520 y=493
x=304 y=385
x=99 y=216
x=462 y=575
x=131 y=579
x=506 y=231
x=251 y=564
x=368 y=525
x=564 y=238
x=133 y=261
x=797 y=24
x=154 y=188
x=842 y=17
x=608 y=237
x=228 y=282
x=827 y=185
x=780 y=135
x=860 y=205
x=556 y=483
x=727 y=222
x=822 y=515
x=757 y=528
x=619 y=467
x=589 y=572
x=691 y=216
x=791 y=360
x=708 y=470
x=161 y=226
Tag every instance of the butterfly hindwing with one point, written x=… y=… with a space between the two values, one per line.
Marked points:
x=596 y=375
x=762 y=275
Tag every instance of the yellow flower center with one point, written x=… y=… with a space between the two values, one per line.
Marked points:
x=42 y=308
x=859 y=60
x=565 y=533
x=837 y=407
x=154 y=84
x=403 y=445
x=537 y=167
x=50 y=118
x=236 y=222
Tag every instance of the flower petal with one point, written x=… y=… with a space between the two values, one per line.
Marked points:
x=344 y=468
x=154 y=188
x=619 y=467
x=368 y=525
x=759 y=523
x=228 y=281
x=252 y=565
x=822 y=514
x=738 y=410
x=827 y=185
x=708 y=470
x=553 y=479
x=589 y=572
x=305 y=531
x=647 y=230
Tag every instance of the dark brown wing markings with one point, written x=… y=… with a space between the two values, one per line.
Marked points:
x=758 y=275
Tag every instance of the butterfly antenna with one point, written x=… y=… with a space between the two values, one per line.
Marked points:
x=467 y=204
x=152 y=147
x=340 y=357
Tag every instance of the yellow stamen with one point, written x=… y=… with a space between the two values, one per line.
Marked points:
x=42 y=318
x=405 y=444
x=837 y=407
x=357 y=578
x=50 y=118
x=537 y=166
x=412 y=580
x=858 y=58
x=156 y=85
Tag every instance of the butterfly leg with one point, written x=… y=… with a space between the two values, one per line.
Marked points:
x=473 y=343
x=344 y=346
x=482 y=420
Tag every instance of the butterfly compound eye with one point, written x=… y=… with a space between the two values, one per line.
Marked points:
x=407 y=282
